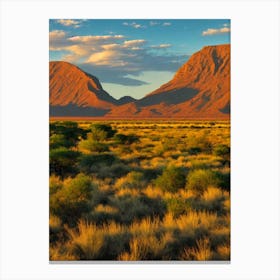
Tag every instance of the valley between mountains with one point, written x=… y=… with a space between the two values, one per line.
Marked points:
x=200 y=89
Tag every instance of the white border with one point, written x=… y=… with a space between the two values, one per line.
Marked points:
x=24 y=138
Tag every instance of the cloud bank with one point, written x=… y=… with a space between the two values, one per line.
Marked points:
x=212 y=31
x=70 y=22
x=113 y=57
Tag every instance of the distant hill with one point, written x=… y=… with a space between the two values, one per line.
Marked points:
x=199 y=89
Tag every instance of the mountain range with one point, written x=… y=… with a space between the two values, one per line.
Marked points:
x=200 y=89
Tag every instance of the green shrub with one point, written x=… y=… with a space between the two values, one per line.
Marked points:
x=172 y=179
x=58 y=140
x=222 y=150
x=101 y=132
x=199 y=180
x=93 y=146
x=178 y=206
x=133 y=208
x=73 y=199
x=55 y=184
x=224 y=180
x=126 y=139
x=169 y=144
x=63 y=162
x=194 y=150
x=113 y=171
x=201 y=141
x=87 y=161
x=132 y=180
x=70 y=132
x=115 y=244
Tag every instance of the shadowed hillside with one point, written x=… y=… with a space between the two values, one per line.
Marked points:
x=199 y=89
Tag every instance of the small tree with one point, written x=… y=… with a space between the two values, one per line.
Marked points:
x=200 y=179
x=73 y=199
x=101 y=132
x=58 y=140
x=67 y=134
x=92 y=146
x=172 y=179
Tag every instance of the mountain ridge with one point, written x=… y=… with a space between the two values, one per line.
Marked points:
x=199 y=89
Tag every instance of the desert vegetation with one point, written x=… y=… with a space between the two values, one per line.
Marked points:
x=139 y=190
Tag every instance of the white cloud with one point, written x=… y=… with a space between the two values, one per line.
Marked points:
x=57 y=39
x=112 y=57
x=134 y=43
x=94 y=38
x=56 y=34
x=106 y=57
x=70 y=22
x=111 y=46
x=212 y=31
x=115 y=55
x=134 y=25
x=161 y=46
x=153 y=23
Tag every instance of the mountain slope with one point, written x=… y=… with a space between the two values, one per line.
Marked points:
x=74 y=91
x=199 y=89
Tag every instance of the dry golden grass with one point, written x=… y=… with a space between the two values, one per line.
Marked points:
x=202 y=251
x=195 y=227
x=153 y=192
x=194 y=220
x=105 y=209
x=59 y=254
x=124 y=192
x=212 y=193
x=145 y=227
x=224 y=251
x=146 y=247
x=55 y=222
x=86 y=241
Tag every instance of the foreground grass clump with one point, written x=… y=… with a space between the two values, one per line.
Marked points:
x=139 y=190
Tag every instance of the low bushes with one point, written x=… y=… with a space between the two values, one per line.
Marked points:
x=132 y=180
x=172 y=179
x=73 y=199
x=178 y=206
x=200 y=179
x=126 y=139
x=63 y=162
x=112 y=197
x=101 y=132
x=92 y=146
x=137 y=207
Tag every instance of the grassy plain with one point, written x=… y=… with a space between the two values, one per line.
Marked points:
x=140 y=190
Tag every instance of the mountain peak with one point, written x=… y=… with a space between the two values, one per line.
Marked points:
x=200 y=89
x=69 y=85
x=126 y=99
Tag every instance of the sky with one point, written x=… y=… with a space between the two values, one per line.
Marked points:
x=132 y=57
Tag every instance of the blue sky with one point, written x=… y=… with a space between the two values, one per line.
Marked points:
x=133 y=57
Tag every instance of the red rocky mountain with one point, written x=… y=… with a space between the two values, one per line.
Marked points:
x=200 y=89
